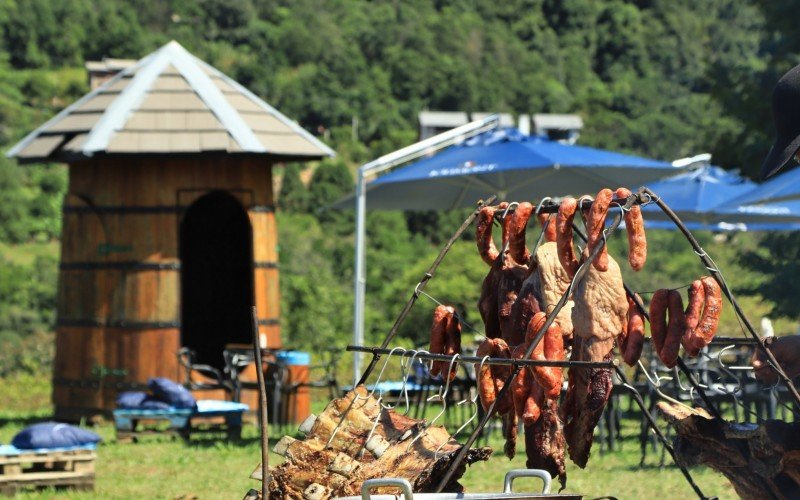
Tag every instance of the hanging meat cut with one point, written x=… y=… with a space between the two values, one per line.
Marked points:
x=599 y=316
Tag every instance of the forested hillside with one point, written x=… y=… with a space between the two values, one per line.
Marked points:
x=663 y=78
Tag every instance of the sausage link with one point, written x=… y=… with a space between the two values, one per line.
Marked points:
x=631 y=348
x=548 y=223
x=634 y=227
x=500 y=374
x=675 y=328
x=505 y=223
x=483 y=235
x=709 y=321
x=452 y=343
x=596 y=224
x=658 y=318
x=565 y=246
x=519 y=223
x=533 y=405
x=697 y=298
x=486 y=390
x=438 y=335
x=520 y=386
x=510 y=433
x=551 y=347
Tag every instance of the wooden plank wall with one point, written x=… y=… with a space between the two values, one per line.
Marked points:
x=119 y=285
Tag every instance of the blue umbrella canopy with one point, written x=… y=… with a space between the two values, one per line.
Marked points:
x=512 y=166
x=693 y=195
x=783 y=215
x=785 y=186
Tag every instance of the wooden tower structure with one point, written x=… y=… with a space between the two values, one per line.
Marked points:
x=169 y=234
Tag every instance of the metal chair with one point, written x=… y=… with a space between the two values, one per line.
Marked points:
x=201 y=377
x=328 y=368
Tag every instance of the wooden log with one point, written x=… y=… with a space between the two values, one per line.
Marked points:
x=760 y=461
x=343 y=448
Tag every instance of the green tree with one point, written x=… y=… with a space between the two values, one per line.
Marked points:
x=293 y=196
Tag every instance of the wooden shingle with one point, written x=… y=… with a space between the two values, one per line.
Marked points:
x=169 y=101
x=42 y=146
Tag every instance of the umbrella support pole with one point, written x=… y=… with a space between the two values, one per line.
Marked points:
x=421 y=286
x=649 y=196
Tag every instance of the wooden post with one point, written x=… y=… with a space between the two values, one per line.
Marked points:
x=262 y=410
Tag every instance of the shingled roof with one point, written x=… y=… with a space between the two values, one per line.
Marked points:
x=170 y=102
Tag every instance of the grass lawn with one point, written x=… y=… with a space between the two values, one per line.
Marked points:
x=211 y=468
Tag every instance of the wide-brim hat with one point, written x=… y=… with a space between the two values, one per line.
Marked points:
x=786 y=115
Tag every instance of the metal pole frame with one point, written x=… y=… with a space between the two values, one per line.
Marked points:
x=375 y=167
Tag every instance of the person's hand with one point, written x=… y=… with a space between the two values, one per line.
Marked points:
x=786 y=351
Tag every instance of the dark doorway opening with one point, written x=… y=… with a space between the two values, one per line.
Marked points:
x=216 y=252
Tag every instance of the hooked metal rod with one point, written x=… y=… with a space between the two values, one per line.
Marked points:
x=552 y=208
x=486 y=361
x=709 y=264
x=421 y=286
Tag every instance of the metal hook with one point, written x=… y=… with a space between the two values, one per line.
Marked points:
x=656 y=384
x=385 y=364
x=442 y=396
x=511 y=205
x=357 y=397
x=474 y=402
x=541 y=204
x=404 y=388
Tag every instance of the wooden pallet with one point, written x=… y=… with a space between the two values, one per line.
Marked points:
x=40 y=469
x=132 y=425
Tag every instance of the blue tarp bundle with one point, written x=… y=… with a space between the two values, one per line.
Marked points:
x=166 y=394
x=48 y=435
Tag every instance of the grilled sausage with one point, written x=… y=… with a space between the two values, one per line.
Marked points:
x=675 y=329
x=548 y=223
x=519 y=223
x=709 y=321
x=520 y=386
x=439 y=335
x=596 y=224
x=697 y=298
x=533 y=405
x=631 y=348
x=551 y=347
x=500 y=374
x=452 y=343
x=634 y=227
x=510 y=433
x=483 y=235
x=565 y=246
x=486 y=388
x=658 y=318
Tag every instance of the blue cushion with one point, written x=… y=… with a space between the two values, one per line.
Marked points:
x=171 y=393
x=53 y=435
x=136 y=400
x=130 y=399
x=151 y=403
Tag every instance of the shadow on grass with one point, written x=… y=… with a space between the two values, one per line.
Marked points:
x=214 y=442
x=24 y=420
